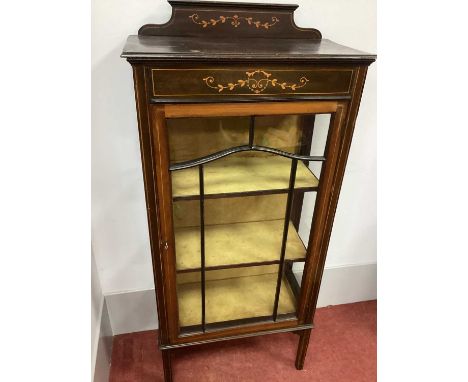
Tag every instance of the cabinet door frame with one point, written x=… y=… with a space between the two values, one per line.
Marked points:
x=158 y=115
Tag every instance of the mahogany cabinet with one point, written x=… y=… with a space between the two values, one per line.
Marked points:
x=245 y=124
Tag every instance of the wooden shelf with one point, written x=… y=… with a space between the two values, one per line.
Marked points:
x=234 y=175
x=230 y=245
x=232 y=294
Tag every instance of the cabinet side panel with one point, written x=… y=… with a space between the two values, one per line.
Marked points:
x=338 y=179
x=150 y=195
x=315 y=265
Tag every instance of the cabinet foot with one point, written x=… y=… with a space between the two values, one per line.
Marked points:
x=302 y=348
x=167 y=365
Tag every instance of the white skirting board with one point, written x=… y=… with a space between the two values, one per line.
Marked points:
x=102 y=349
x=136 y=311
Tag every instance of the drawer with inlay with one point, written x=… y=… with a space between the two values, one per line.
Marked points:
x=256 y=81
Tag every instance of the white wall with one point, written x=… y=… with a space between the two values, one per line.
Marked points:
x=97 y=300
x=120 y=234
x=101 y=331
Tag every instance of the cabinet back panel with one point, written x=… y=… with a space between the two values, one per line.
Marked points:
x=191 y=138
x=230 y=210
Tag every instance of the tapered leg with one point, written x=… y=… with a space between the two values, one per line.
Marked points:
x=167 y=365
x=302 y=348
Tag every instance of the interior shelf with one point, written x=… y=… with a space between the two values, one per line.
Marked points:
x=245 y=175
x=230 y=245
x=232 y=294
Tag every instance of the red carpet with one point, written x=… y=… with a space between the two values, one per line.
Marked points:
x=342 y=348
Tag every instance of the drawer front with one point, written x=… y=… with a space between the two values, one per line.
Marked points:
x=245 y=81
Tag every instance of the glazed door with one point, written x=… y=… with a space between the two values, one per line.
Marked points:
x=242 y=181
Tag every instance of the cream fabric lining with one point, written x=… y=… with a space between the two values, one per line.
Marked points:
x=237 y=243
x=242 y=174
x=191 y=138
x=238 y=230
x=230 y=298
x=186 y=213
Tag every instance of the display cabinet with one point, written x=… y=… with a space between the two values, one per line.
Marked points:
x=245 y=124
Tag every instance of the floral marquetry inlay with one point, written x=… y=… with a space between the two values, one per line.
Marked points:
x=256 y=81
x=235 y=20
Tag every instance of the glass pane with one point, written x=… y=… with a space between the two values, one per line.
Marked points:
x=289 y=293
x=242 y=293
x=319 y=141
x=252 y=173
x=186 y=220
x=292 y=284
x=239 y=221
x=191 y=138
x=190 y=301
x=282 y=132
x=233 y=296
x=241 y=230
